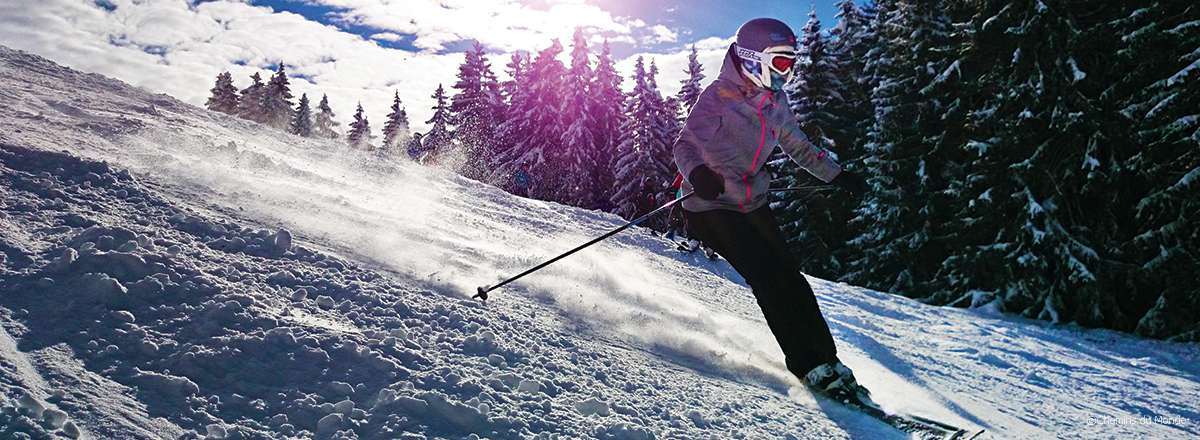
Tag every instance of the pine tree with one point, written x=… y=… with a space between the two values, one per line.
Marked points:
x=815 y=223
x=395 y=130
x=438 y=141
x=816 y=87
x=578 y=162
x=894 y=218
x=690 y=91
x=325 y=126
x=360 y=130
x=1160 y=69
x=667 y=120
x=277 y=100
x=224 y=97
x=640 y=170
x=512 y=128
x=607 y=109
x=1021 y=235
x=851 y=39
x=474 y=109
x=250 y=107
x=533 y=130
x=302 y=119
x=517 y=69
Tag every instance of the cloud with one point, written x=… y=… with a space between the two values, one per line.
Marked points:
x=174 y=47
x=501 y=25
x=386 y=36
x=663 y=34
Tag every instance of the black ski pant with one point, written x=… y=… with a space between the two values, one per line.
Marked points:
x=754 y=245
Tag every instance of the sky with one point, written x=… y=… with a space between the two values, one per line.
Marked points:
x=365 y=50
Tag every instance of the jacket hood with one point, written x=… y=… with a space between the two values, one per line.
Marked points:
x=731 y=71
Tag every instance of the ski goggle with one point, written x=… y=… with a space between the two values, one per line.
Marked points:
x=778 y=59
x=781 y=59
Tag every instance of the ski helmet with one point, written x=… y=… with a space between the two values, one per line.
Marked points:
x=766 y=48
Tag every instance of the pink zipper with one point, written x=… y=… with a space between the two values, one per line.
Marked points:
x=762 y=141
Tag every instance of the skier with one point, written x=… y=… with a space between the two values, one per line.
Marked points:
x=732 y=129
x=677 y=225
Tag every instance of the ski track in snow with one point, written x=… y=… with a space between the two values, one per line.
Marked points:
x=155 y=297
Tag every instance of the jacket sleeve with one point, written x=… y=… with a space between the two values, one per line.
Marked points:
x=695 y=138
x=816 y=160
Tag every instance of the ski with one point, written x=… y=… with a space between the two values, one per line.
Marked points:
x=684 y=247
x=920 y=427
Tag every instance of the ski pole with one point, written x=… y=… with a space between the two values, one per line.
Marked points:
x=482 y=291
x=809 y=188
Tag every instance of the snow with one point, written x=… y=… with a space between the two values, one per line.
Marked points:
x=1077 y=74
x=1187 y=179
x=953 y=68
x=981 y=147
x=1181 y=76
x=149 y=212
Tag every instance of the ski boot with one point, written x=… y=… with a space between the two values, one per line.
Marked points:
x=835 y=380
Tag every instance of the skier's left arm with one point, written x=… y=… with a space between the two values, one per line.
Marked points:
x=816 y=160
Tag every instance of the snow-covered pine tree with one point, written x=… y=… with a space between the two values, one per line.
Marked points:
x=518 y=69
x=277 y=100
x=360 y=130
x=302 y=123
x=533 y=129
x=224 y=96
x=1160 y=67
x=690 y=90
x=850 y=40
x=578 y=161
x=438 y=142
x=640 y=171
x=395 y=129
x=894 y=220
x=1023 y=237
x=324 y=125
x=512 y=128
x=607 y=109
x=250 y=106
x=847 y=47
x=815 y=223
x=667 y=122
x=474 y=111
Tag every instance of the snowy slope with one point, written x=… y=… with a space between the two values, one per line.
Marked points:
x=166 y=271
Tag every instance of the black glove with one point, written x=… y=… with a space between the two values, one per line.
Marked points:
x=850 y=182
x=707 y=183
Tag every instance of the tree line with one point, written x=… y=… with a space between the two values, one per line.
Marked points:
x=560 y=133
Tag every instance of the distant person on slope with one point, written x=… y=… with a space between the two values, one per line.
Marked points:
x=736 y=123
